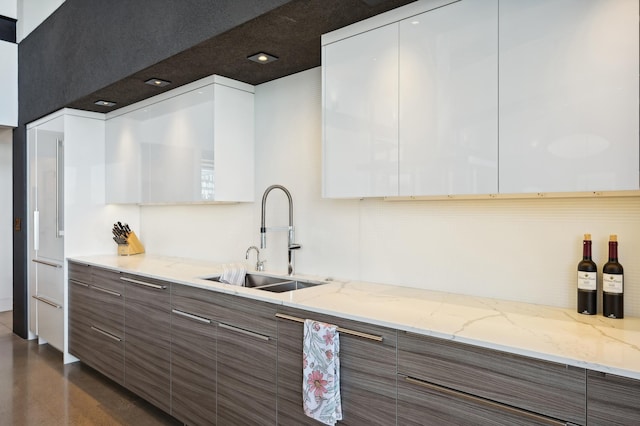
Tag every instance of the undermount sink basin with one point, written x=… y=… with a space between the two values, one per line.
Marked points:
x=272 y=284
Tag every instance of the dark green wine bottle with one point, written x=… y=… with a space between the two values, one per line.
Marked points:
x=613 y=283
x=587 y=280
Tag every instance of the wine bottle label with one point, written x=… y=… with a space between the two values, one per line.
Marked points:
x=587 y=280
x=612 y=283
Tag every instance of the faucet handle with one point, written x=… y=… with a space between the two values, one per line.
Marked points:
x=260 y=265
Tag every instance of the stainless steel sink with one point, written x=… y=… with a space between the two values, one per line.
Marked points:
x=288 y=286
x=272 y=284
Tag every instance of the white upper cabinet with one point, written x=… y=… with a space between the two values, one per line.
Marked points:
x=191 y=145
x=410 y=102
x=568 y=95
x=360 y=104
x=9 y=84
x=449 y=100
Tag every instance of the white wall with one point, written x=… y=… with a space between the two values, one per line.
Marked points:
x=9 y=8
x=525 y=250
x=6 y=223
x=32 y=13
x=8 y=84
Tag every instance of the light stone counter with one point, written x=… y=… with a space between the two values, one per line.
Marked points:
x=544 y=332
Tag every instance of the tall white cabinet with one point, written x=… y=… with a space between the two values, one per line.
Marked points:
x=46 y=278
x=193 y=144
x=68 y=215
x=569 y=95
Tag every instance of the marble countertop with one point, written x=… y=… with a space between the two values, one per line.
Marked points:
x=543 y=332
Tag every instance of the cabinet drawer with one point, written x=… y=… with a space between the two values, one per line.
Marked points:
x=259 y=317
x=551 y=389
x=104 y=352
x=420 y=403
x=612 y=399
x=196 y=301
x=107 y=310
x=107 y=279
x=80 y=272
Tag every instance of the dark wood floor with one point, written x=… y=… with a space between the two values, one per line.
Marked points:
x=37 y=389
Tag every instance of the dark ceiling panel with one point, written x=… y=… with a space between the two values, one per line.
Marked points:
x=290 y=32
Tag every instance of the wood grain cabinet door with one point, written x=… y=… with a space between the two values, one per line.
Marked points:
x=96 y=319
x=246 y=376
x=193 y=358
x=550 y=389
x=148 y=339
x=421 y=403
x=367 y=372
x=612 y=400
x=79 y=318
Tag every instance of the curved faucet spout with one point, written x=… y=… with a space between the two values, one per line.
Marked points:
x=263 y=229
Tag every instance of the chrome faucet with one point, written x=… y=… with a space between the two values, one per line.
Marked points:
x=263 y=230
x=259 y=263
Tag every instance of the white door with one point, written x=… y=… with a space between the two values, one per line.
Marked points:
x=46 y=273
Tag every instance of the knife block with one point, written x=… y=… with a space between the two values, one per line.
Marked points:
x=133 y=246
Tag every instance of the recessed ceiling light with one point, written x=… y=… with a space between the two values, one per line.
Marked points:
x=157 y=82
x=262 y=58
x=105 y=103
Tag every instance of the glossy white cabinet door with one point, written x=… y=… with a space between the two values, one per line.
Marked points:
x=176 y=139
x=449 y=100
x=195 y=146
x=568 y=95
x=360 y=104
x=122 y=158
x=234 y=147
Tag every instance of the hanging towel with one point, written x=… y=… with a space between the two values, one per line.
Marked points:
x=321 y=372
x=233 y=273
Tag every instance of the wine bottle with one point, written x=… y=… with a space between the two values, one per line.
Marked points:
x=587 y=280
x=612 y=283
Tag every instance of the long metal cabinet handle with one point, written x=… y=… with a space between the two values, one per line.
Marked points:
x=340 y=329
x=243 y=331
x=156 y=286
x=191 y=316
x=478 y=400
x=71 y=280
x=104 y=333
x=48 y=302
x=104 y=290
x=44 y=262
x=58 y=143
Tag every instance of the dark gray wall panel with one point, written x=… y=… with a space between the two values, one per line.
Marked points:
x=88 y=44
x=19 y=149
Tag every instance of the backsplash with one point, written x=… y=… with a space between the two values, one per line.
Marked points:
x=523 y=250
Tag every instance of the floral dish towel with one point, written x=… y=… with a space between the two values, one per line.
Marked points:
x=321 y=372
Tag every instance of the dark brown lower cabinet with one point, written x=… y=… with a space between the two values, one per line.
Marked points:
x=367 y=371
x=96 y=319
x=148 y=339
x=193 y=358
x=612 y=400
x=246 y=376
x=421 y=403
x=547 y=390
